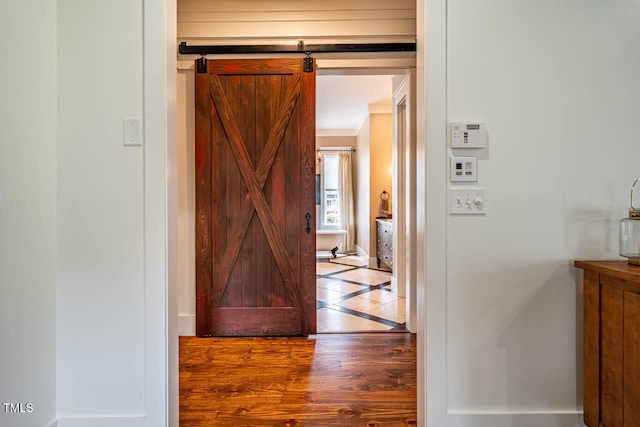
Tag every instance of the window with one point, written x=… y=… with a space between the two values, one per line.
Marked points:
x=330 y=192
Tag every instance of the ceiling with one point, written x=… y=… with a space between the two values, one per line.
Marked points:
x=342 y=102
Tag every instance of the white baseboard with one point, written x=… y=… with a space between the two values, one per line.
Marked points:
x=361 y=253
x=52 y=423
x=569 y=412
x=373 y=261
x=186 y=325
x=103 y=421
x=547 y=418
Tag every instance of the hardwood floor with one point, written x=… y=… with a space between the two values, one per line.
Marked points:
x=366 y=379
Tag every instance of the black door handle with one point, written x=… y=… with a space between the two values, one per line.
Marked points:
x=308 y=217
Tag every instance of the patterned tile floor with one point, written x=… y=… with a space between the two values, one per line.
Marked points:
x=351 y=297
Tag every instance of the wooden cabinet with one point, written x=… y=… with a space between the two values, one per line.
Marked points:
x=611 y=348
x=384 y=238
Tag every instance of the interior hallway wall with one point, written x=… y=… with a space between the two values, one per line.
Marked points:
x=381 y=148
x=362 y=183
x=100 y=295
x=373 y=175
x=557 y=85
x=186 y=202
x=28 y=217
x=256 y=20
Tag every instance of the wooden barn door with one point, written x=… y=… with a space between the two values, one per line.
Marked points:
x=255 y=198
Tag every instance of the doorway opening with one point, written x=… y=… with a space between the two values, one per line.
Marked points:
x=184 y=249
x=361 y=279
x=386 y=284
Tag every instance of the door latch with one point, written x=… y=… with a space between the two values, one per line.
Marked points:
x=308 y=217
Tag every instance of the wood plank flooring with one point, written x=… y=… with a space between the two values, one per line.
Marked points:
x=365 y=379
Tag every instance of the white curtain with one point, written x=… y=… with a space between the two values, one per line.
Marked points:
x=347 y=216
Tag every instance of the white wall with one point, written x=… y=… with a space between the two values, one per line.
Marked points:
x=381 y=163
x=372 y=175
x=557 y=85
x=28 y=214
x=311 y=19
x=101 y=231
x=362 y=184
x=186 y=202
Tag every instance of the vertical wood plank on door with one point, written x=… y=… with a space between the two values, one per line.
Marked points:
x=292 y=212
x=631 y=368
x=204 y=249
x=278 y=184
x=308 y=165
x=279 y=86
x=263 y=127
x=611 y=391
x=242 y=105
x=591 y=348
x=219 y=206
x=235 y=189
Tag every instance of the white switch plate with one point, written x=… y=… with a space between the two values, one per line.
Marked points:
x=467 y=201
x=132 y=131
x=464 y=169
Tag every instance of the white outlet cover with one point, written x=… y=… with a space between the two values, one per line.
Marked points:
x=467 y=201
x=132 y=131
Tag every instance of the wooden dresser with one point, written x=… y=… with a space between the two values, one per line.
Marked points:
x=611 y=331
x=384 y=239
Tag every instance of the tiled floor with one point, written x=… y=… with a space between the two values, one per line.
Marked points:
x=351 y=297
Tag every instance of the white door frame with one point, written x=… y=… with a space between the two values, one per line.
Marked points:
x=160 y=187
x=404 y=202
x=160 y=213
x=398 y=189
x=431 y=214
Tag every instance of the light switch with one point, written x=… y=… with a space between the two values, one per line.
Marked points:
x=132 y=131
x=467 y=201
x=464 y=169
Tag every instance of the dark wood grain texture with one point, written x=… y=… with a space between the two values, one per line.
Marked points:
x=611 y=356
x=204 y=110
x=252 y=197
x=611 y=343
x=245 y=321
x=618 y=269
x=308 y=164
x=591 y=349
x=631 y=351
x=251 y=67
x=260 y=204
x=243 y=219
x=323 y=380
